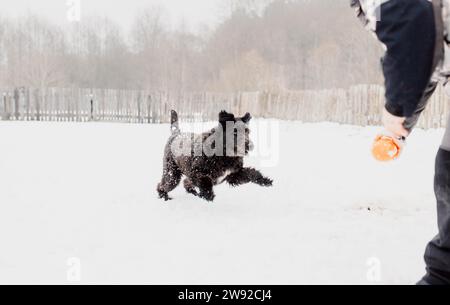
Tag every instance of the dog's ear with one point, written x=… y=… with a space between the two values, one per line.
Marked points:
x=247 y=118
x=225 y=117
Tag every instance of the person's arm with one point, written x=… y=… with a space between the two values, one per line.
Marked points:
x=407 y=29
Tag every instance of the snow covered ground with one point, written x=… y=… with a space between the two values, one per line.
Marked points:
x=78 y=202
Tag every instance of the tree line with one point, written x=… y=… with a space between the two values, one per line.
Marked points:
x=258 y=45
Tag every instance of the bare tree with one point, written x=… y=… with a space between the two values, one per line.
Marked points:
x=258 y=45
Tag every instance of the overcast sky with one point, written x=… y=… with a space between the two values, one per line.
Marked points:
x=195 y=12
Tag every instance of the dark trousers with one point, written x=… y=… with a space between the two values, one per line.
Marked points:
x=437 y=255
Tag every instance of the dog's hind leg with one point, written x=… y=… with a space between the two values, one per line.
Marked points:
x=190 y=187
x=170 y=180
x=205 y=185
x=248 y=175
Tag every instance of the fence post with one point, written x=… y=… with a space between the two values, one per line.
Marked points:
x=91 y=97
x=16 y=104
x=4 y=107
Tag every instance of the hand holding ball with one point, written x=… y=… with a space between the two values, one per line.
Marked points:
x=387 y=148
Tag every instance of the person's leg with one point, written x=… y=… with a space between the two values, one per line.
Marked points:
x=437 y=255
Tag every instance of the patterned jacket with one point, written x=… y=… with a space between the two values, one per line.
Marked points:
x=413 y=33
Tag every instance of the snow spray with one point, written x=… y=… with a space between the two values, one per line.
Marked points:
x=387 y=147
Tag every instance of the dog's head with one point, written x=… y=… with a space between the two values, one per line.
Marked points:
x=240 y=131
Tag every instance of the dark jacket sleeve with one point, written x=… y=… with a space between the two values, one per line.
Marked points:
x=407 y=29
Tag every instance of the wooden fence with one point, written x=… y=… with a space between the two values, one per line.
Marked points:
x=359 y=105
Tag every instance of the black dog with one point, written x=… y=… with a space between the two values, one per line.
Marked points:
x=185 y=154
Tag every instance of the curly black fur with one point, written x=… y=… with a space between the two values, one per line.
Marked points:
x=203 y=172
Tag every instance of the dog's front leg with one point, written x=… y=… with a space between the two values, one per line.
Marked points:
x=206 y=185
x=190 y=187
x=248 y=175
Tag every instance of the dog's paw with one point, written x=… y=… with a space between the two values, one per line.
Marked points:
x=164 y=196
x=266 y=182
x=208 y=196
x=210 y=199
x=233 y=184
x=192 y=192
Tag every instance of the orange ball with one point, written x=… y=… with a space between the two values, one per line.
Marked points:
x=386 y=149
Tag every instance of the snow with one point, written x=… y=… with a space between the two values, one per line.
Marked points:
x=87 y=192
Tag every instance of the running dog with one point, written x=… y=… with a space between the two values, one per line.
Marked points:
x=209 y=159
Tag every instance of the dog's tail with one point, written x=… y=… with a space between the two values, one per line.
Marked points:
x=175 y=126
